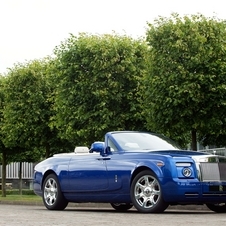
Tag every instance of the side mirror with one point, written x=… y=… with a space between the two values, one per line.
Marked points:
x=97 y=147
x=108 y=150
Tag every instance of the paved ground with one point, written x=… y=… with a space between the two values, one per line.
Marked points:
x=102 y=205
x=36 y=215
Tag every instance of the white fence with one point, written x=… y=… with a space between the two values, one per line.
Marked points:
x=12 y=170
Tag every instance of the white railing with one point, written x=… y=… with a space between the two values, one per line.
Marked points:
x=12 y=170
x=215 y=151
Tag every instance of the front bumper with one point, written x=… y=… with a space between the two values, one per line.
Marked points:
x=194 y=191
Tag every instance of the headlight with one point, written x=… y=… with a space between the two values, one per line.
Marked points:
x=187 y=172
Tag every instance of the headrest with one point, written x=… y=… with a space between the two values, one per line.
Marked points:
x=81 y=149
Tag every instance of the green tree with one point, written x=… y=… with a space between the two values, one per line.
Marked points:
x=3 y=149
x=99 y=86
x=28 y=110
x=186 y=84
x=6 y=153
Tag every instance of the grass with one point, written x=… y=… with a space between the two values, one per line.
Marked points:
x=24 y=198
x=14 y=196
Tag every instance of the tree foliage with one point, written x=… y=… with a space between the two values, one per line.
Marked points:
x=99 y=87
x=4 y=157
x=28 y=110
x=186 y=85
x=1 y=110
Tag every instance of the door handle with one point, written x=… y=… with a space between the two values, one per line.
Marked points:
x=104 y=158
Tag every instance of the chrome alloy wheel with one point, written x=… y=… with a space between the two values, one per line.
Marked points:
x=147 y=191
x=50 y=192
x=52 y=195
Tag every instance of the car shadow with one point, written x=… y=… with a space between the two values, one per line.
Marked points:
x=134 y=211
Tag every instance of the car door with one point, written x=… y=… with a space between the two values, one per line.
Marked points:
x=87 y=173
x=118 y=168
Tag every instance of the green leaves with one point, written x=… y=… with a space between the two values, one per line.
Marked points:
x=174 y=82
x=27 y=111
x=187 y=74
x=98 y=85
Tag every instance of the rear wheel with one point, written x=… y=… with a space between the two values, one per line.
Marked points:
x=52 y=196
x=122 y=206
x=218 y=207
x=146 y=193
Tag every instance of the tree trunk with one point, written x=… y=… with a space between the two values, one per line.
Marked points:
x=4 y=163
x=193 y=140
x=47 y=150
x=20 y=178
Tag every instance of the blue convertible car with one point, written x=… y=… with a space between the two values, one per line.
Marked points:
x=139 y=169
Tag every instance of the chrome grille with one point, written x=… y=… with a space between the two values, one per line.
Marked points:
x=213 y=171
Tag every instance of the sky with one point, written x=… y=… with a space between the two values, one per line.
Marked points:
x=31 y=29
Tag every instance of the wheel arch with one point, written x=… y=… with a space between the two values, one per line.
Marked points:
x=46 y=174
x=138 y=170
x=154 y=169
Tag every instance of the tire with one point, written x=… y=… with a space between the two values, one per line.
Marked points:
x=122 y=207
x=218 y=207
x=146 y=193
x=52 y=196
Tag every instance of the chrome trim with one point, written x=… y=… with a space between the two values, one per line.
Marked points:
x=214 y=194
x=192 y=194
x=183 y=164
x=187 y=172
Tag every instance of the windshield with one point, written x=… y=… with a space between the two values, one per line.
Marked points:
x=143 y=141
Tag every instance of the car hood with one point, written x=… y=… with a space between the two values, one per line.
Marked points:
x=196 y=155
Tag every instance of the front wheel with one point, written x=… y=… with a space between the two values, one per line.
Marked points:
x=52 y=196
x=146 y=193
x=218 y=207
x=122 y=206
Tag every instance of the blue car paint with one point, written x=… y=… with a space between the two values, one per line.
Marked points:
x=107 y=177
